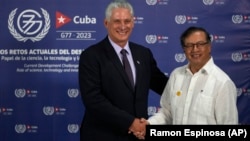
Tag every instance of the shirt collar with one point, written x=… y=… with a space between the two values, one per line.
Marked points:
x=207 y=68
x=118 y=48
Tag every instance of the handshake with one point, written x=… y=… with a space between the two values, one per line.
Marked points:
x=138 y=128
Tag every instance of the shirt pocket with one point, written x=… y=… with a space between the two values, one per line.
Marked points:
x=204 y=108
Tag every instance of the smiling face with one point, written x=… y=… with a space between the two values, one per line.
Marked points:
x=197 y=50
x=120 y=26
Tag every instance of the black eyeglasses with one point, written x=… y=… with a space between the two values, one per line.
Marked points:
x=198 y=45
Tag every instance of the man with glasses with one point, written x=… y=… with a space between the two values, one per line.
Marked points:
x=199 y=92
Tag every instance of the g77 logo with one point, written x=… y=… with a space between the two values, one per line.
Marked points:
x=29 y=23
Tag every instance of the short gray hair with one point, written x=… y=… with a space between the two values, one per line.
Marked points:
x=118 y=4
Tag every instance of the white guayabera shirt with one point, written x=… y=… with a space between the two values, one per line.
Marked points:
x=206 y=97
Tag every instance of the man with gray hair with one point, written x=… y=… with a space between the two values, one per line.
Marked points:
x=115 y=76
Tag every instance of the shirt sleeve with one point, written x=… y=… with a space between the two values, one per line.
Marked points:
x=225 y=108
x=163 y=116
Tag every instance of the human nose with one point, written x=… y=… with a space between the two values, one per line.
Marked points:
x=122 y=25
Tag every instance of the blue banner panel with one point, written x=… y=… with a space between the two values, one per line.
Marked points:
x=41 y=42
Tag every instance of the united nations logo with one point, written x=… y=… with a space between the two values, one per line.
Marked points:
x=180 y=57
x=237 y=19
x=30 y=25
x=73 y=93
x=20 y=128
x=239 y=92
x=211 y=37
x=151 y=2
x=180 y=19
x=237 y=57
x=20 y=93
x=151 y=39
x=151 y=110
x=48 y=111
x=73 y=128
x=208 y=2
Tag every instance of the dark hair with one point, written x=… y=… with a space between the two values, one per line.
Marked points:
x=191 y=30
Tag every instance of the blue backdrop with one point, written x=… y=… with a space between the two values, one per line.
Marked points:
x=41 y=42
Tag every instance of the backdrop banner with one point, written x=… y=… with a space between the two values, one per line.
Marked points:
x=41 y=41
